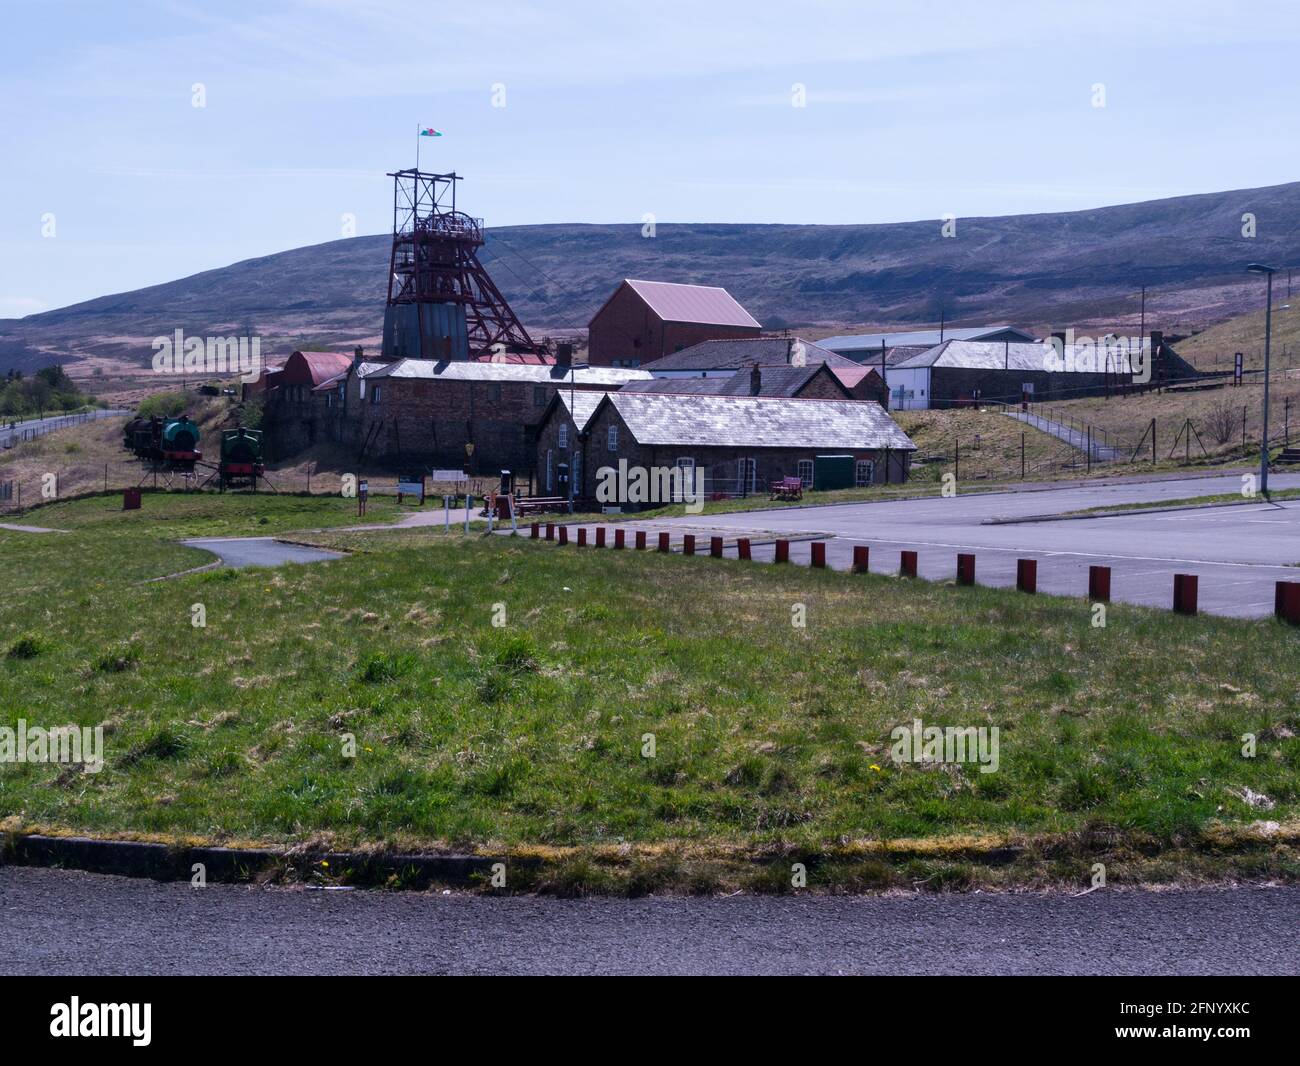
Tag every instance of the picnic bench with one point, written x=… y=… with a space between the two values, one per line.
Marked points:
x=540 y=504
x=788 y=488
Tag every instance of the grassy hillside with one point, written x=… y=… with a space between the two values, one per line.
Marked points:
x=1076 y=268
x=1214 y=348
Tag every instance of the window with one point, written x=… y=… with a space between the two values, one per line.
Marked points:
x=564 y=435
x=329 y=399
x=374 y=395
x=806 y=472
x=540 y=396
x=865 y=473
x=611 y=439
x=550 y=484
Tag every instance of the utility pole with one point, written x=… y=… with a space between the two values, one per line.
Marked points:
x=1259 y=268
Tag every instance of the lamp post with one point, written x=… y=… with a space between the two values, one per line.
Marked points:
x=1267 y=271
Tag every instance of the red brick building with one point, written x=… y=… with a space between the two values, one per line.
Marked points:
x=645 y=320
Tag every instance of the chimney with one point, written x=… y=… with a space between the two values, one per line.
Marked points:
x=789 y=350
x=755 y=380
x=358 y=354
x=564 y=354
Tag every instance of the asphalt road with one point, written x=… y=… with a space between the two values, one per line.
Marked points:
x=1238 y=553
x=237 y=552
x=65 y=922
x=44 y=425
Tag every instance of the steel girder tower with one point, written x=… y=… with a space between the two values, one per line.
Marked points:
x=441 y=302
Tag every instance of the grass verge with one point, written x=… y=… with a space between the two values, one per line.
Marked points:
x=637 y=709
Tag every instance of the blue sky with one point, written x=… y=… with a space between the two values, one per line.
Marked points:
x=914 y=110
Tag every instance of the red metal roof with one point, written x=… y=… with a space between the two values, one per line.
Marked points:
x=706 y=304
x=312 y=368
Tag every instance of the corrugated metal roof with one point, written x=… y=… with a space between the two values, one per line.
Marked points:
x=706 y=304
x=469 y=370
x=732 y=353
x=757 y=422
x=858 y=342
x=320 y=366
x=1000 y=355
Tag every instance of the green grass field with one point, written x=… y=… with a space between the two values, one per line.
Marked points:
x=768 y=739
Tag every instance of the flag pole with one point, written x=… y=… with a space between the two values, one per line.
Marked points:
x=417 y=148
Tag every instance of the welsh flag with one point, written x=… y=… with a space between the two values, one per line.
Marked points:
x=430 y=132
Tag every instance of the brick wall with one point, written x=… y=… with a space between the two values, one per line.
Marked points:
x=627 y=329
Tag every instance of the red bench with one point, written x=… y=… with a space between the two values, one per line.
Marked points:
x=788 y=488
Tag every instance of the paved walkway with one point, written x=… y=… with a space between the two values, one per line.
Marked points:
x=1075 y=438
x=29 y=529
x=238 y=552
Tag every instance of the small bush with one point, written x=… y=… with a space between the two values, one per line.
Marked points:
x=381 y=667
x=117 y=662
x=25 y=647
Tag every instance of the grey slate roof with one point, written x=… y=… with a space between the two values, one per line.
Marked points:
x=733 y=353
x=582 y=405
x=998 y=355
x=857 y=343
x=469 y=370
x=757 y=422
x=778 y=380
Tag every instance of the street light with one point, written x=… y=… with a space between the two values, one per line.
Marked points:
x=1268 y=271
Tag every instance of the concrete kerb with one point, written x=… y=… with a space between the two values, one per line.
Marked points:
x=1121 y=512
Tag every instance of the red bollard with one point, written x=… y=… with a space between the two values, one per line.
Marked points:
x=742 y=548
x=533 y=530
x=619 y=538
x=782 y=551
x=861 y=558
x=1185 y=593
x=819 y=553
x=1027 y=575
x=600 y=536
x=715 y=547
x=663 y=542
x=582 y=536
x=1286 y=603
x=640 y=540
x=550 y=530
x=688 y=544
x=1099 y=583
x=907 y=564
x=564 y=534
x=965 y=569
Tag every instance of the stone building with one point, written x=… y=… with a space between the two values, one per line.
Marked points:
x=741 y=444
x=423 y=412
